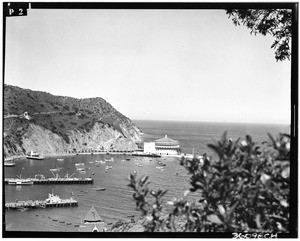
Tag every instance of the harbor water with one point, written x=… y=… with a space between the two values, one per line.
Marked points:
x=115 y=202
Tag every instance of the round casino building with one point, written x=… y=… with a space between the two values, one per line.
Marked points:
x=163 y=146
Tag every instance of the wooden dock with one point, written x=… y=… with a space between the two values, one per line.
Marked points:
x=52 y=201
x=14 y=181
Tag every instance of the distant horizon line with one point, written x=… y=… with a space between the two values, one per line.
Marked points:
x=140 y=119
x=223 y=122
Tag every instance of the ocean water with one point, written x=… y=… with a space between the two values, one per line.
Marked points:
x=116 y=202
x=196 y=135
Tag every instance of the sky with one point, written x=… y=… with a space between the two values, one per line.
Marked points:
x=181 y=65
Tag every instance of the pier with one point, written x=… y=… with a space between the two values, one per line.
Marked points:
x=74 y=180
x=51 y=201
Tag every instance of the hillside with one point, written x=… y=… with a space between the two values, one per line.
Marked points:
x=60 y=124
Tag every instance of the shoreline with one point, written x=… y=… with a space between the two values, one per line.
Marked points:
x=187 y=155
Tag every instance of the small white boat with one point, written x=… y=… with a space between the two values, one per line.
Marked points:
x=102 y=162
x=60 y=159
x=9 y=163
x=35 y=156
x=99 y=188
x=23 y=209
x=160 y=163
x=80 y=164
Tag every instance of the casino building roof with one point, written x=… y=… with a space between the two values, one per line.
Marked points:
x=166 y=142
x=163 y=146
x=167 y=146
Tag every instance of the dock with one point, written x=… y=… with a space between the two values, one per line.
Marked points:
x=61 y=180
x=51 y=201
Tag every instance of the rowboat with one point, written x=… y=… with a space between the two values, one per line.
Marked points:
x=99 y=188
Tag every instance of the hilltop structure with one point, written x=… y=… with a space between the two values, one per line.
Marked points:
x=163 y=146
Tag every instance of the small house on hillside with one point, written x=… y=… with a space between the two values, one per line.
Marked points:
x=25 y=115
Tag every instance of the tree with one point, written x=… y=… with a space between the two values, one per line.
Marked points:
x=277 y=22
x=245 y=190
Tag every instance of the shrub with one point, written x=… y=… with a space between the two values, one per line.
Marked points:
x=66 y=107
x=75 y=108
x=65 y=137
x=245 y=190
x=89 y=112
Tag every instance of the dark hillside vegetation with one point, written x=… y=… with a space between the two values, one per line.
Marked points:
x=64 y=117
x=59 y=113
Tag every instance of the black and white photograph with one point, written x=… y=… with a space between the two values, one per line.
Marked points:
x=150 y=120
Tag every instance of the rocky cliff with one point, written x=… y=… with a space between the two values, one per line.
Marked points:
x=52 y=125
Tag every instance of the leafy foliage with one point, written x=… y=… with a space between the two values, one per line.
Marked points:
x=245 y=190
x=277 y=22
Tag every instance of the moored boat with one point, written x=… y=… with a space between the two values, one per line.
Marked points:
x=160 y=163
x=23 y=209
x=60 y=159
x=80 y=164
x=99 y=188
x=9 y=163
x=35 y=156
x=20 y=182
x=101 y=161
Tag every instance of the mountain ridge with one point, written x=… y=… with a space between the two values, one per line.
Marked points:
x=28 y=113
